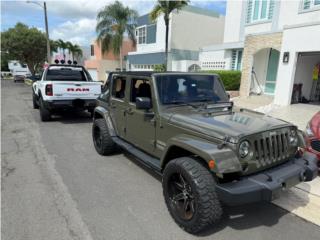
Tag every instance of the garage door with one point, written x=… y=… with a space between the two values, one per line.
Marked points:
x=93 y=73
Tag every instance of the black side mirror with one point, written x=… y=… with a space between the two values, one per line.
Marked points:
x=143 y=103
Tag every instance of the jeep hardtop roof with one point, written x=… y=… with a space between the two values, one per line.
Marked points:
x=150 y=73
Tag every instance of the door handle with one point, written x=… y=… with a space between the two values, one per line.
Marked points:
x=113 y=106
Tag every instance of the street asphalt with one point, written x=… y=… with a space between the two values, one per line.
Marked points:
x=55 y=186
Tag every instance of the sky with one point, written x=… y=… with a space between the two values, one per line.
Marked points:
x=75 y=20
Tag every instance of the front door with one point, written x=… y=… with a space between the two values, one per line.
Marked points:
x=272 y=70
x=141 y=128
x=118 y=104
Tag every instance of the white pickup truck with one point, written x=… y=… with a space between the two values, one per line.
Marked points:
x=64 y=87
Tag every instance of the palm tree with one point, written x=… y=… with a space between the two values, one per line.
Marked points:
x=165 y=8
x=113 y=22
x=75 y=50
x=62 y=45
x=53 y=46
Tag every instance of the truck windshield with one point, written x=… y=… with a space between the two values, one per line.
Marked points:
x=179 y=88
x=66 y=74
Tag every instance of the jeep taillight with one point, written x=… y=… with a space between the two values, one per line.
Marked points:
x=49 y=90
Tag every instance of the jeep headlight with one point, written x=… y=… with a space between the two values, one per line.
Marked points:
x=244 y=149
x=293 y=137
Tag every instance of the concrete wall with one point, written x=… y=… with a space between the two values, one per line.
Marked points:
x=190 y=31
x=257 y=28
x=295 y=39
x=304 y=70
x=291 y=14
x=232 y=29
x=210 y=59
x=182 y=65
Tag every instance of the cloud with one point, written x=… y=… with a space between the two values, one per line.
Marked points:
x=74 y=9
x=81 y=31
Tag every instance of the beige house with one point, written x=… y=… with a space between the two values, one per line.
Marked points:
x=100 y=64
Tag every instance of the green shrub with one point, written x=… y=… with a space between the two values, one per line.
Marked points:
x=159 y=68
x=231 y=79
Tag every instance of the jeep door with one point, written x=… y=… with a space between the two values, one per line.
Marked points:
x=118 y=104
x=140 y=123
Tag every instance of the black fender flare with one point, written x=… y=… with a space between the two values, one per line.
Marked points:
x=226 y=160
x=105 y=114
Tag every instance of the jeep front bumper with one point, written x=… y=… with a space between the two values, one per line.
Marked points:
x=267 y=185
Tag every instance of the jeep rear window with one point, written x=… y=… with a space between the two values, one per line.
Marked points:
x=179 y=88
x=65 y=75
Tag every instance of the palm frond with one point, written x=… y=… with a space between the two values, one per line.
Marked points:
x=113 y=22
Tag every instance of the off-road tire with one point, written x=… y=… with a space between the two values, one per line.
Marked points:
x=106 y=146
x=45 y=114
x=34 y=101
x=206 y=203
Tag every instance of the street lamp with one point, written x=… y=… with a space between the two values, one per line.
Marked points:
x=44 y=6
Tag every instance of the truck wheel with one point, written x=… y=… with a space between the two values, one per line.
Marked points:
x=34 y=101
x=189 y=192
x=103 y=143
x=45 y=114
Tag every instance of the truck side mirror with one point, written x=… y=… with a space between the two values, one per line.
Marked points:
x=143 y=103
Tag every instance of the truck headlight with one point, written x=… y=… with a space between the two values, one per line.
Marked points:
x=244 y=149
x=309 y=131
x=293 y=138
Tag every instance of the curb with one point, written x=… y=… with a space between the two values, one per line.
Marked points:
x=28 y=82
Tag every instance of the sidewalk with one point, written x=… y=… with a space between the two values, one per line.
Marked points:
x=302 y=200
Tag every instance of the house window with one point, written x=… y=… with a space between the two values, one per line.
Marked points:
x=259 y=10
x=141 y=34
x=309 y=4
x=92 y=50
x=236 y=60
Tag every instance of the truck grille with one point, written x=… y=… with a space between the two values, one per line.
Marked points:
x=315 y=144
x=271 y=148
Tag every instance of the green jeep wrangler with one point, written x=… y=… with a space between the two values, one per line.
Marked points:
x=183 y=126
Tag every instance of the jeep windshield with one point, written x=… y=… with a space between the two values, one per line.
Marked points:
x=190 y=88
x=67 y=74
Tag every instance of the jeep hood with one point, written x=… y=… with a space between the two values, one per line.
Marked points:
x=234 y=124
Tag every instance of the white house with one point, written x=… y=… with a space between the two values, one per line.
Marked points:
x=190 y=28
x=276 y=44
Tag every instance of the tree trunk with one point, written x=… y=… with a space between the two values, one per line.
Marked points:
x=166 y=20
x=120 y=56
x=31 y=68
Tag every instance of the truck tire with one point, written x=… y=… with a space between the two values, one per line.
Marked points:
x=103 y=143
x=189 y=193
x=34 y=101
x=45 y=114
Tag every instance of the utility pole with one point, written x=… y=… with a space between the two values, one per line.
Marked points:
x=47 y=32
x=44 y=6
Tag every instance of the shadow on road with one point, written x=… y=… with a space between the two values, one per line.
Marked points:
x=247 y=217
x=72 y=117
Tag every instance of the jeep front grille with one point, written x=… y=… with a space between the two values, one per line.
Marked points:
x=271 y=148
x=315 y=144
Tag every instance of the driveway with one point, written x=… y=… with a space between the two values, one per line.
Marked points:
x=55 y=186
